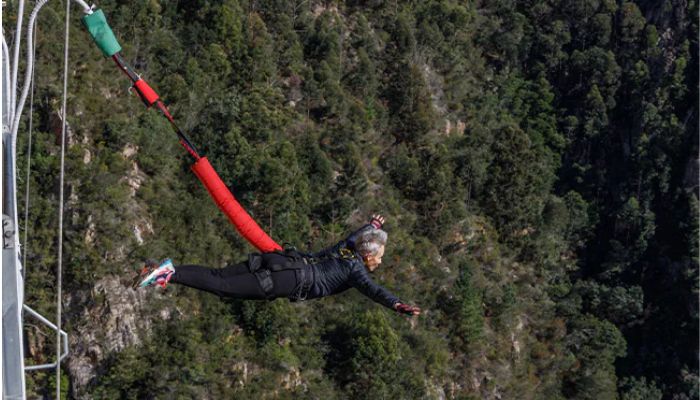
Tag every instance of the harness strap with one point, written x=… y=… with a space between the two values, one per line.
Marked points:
x=262 y=274
x=265 y=279
x=305 y=278
x=346 y=253
x=286 y=261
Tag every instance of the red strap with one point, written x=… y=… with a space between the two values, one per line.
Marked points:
x=243 y=222
x=147 y=94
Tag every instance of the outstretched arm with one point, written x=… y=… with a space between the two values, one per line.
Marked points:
x=361 y=281
x=379 y=294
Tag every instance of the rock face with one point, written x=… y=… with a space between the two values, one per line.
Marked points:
x=292 y=379
x=111 y=316
x=118 y=311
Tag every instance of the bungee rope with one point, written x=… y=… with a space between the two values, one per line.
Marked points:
x=150 y=98
x=96 y=24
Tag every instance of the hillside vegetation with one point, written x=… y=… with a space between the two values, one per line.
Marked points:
x=537 y=162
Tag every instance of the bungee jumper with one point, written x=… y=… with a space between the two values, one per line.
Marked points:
x=274 y=272
x=291 y=274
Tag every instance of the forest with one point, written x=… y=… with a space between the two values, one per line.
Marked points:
x=537 y=162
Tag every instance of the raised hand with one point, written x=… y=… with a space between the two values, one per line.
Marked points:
x=377 y=221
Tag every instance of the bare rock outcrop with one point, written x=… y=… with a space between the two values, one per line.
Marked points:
x=114 y=320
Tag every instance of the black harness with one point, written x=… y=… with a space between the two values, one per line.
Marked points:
x=263 y=265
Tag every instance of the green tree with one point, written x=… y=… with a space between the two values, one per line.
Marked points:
x=596 y=344
x=469 y=310
x=639 y=389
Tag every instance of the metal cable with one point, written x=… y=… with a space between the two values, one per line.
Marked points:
x=6 y=100
x=27 y=76
x=60 y=206
x=15 y=60
x=29 y=162
x=86 y=8
x=25 y=90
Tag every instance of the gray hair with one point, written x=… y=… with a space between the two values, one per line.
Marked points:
x=369 y=241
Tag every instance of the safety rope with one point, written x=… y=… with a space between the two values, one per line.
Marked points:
x=60 y=206
x=29 y=159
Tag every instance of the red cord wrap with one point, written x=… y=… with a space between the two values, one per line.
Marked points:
x=243 y=222
x=147 y=94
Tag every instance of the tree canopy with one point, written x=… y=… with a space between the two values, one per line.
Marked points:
x=537 y=162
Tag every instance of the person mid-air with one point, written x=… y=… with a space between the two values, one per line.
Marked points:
x=291 y=274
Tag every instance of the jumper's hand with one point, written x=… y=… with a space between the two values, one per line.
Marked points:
x=407 y=309
x=377 y=221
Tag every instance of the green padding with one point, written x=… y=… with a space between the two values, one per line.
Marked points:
x=97 y=25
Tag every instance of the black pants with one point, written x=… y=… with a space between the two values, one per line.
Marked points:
x=233 y=281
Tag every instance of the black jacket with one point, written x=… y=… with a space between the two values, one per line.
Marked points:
x=335 y=270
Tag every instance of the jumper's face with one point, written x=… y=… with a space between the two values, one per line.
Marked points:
x=373 y=261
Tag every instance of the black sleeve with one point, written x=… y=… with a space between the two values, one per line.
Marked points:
x=349 y=242
x=360 y=280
